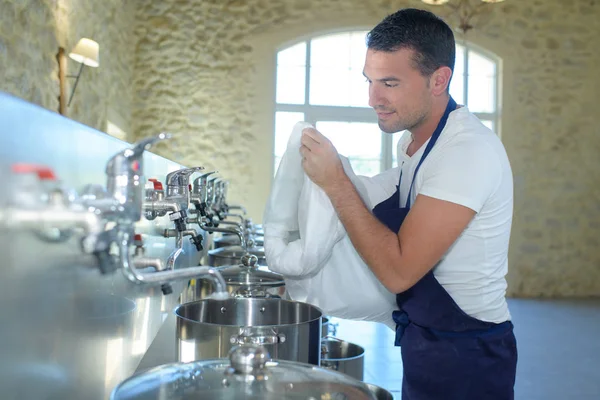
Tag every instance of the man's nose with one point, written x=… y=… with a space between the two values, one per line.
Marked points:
x=375 y=98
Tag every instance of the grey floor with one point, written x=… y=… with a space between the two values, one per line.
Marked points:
x=558 y=342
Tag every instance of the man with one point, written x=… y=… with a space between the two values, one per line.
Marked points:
x=441 y=241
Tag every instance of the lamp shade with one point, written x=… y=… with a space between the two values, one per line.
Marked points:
x=86 y=51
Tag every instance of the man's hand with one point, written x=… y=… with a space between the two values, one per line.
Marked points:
x=321 y=161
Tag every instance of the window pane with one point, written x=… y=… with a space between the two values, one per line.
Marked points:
x=294 y=56
x=481 y=94
x=481 y=66
x=336 y=64
x=395 y=139
x=284 y=122
x=457 y=83
x=489 y=124
x=291 y=85
x=329 y=86
x=331 y=51
x=360 y=142
x=359 y=88
x=457 y=86
x=482 y=80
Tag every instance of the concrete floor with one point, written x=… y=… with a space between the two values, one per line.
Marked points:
x=558 y=342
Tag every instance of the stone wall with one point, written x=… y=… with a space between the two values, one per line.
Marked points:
x=205 y=70
x=31 y=32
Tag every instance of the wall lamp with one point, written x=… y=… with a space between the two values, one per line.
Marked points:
x=85 y=52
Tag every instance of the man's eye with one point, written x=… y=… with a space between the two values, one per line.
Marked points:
x=387 y=84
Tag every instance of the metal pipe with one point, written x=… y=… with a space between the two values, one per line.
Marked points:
x=238 y=207
x=240 y=216
x=55 y=217
x=161 y=276
x=161 y=205
x=236 y=224
x=239 y=234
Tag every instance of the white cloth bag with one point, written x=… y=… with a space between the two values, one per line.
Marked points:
x=306 y=242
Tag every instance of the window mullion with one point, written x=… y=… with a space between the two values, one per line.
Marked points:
x=307 y=74
x=466 y=76
x=387 y=153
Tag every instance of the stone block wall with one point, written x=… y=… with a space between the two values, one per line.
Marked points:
x=31 y=32
x=205 y=70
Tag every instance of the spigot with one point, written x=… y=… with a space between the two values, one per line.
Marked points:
x=198 y=196
x=154 y=194
x=195 y=239
x=238 y=233
x=139 y=252
x=53 y=213
x=124 y=180
x=178 y=183
x=161 y=275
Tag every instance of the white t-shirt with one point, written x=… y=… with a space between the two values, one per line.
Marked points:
x=468 y=166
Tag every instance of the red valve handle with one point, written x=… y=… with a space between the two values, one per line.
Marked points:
x=157 y=184
x=43 y=173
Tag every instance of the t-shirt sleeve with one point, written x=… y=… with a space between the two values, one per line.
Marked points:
x=465 y=173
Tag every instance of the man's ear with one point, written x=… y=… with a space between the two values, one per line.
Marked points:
x=440 y=80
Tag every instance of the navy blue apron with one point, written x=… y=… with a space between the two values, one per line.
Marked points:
x=446 y=353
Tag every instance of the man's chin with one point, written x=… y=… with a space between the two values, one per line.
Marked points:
x=389 y=128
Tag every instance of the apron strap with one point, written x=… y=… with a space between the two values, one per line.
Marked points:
x=436 y=134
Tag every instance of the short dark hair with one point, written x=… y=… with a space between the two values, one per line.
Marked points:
x=423 y=32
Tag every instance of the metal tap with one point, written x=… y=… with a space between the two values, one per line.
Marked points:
x=178 y=192
x=237 y=232
x=60 y=211
x=124 y=186
x=122 y=201
x=198 y=197
x=161 y=274
x=39 y=204
x=195 y=239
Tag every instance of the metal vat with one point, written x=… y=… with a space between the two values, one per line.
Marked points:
x=343 y=356
x=210 y=328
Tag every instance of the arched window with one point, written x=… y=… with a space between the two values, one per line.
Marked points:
x=320 y=81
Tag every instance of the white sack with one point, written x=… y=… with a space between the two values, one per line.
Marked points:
x=306 y=242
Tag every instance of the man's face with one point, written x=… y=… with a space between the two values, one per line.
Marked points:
x=397 y=91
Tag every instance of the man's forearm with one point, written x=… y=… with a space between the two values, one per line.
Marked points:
x=377 y=245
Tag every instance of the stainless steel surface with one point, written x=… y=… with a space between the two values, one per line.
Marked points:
x=232 y=255
x=178 y=183
x=343 y=356
x=68 y=331
x=249 y=374
x=244 y=279
x=231 y=240
x=379 y=392
x=328 y=328
x=210 y=328
x=212 y=228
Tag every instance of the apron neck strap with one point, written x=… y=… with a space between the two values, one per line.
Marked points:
x=436 y=134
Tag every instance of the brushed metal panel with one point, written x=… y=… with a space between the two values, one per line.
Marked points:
x=68 y=332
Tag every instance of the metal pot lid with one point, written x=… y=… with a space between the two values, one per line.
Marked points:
x=248 y=274
x=248 y=374
x=236 y=252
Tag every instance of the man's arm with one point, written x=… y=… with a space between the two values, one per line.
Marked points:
x=398 y=259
